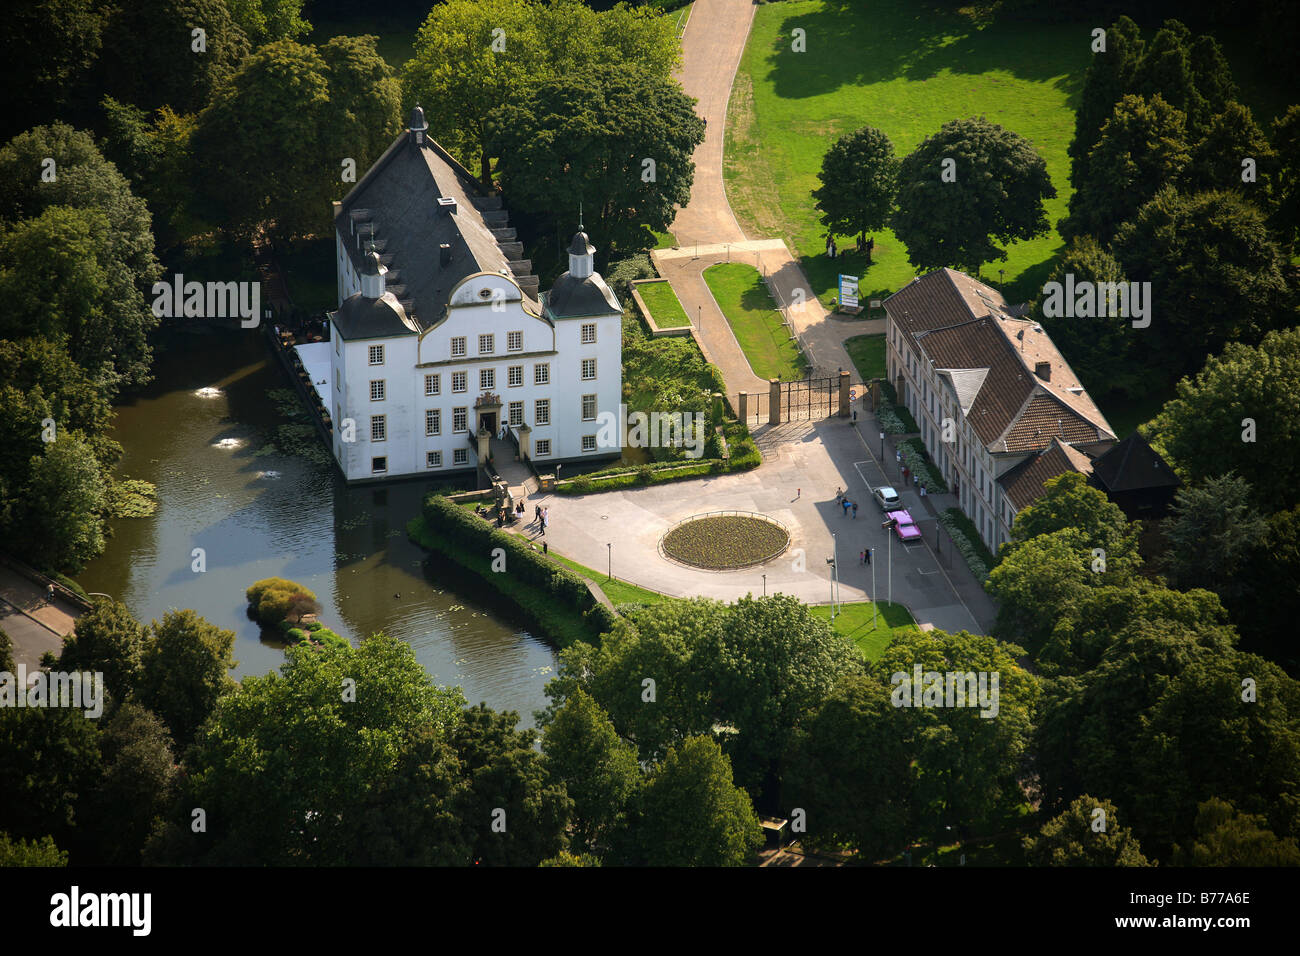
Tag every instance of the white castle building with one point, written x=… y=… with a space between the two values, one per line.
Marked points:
x=441 y=337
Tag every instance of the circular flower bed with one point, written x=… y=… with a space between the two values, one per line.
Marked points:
x=725 y=542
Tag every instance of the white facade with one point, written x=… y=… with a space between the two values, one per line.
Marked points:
x=413 y=402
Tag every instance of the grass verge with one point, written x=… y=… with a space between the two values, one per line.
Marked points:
x=759 y=328
x=663 y=304
x=868 y=355
x=854 y=622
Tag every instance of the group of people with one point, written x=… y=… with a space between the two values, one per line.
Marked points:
x=863 y=245
x=845 y=503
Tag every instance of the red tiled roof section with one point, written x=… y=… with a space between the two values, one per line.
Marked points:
x=1024 y=483
x=961 y=323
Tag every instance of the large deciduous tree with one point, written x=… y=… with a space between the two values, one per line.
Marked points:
x=1080 y=836
x=1215 y=534
x=1227 y=837
x=1238 y=414
x=109 y=640
x=1216 y=275
x=1142 y=147
x=481 y=54
x=49 y=47
x=613 y=141
x=66 y=505
x=692 y=814
x=315 y=109
x=184 y=669
x=859 y=179
x=969 y=184
x=1068 y=501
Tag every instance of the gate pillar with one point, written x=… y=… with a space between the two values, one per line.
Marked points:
x=844 y=394
x=774 y=402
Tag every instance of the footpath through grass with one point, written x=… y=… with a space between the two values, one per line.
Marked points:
x=854 y=622
x=743 y=298
x=905 y=68
x=663 y=304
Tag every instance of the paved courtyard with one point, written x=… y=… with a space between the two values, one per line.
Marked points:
x=795 y=485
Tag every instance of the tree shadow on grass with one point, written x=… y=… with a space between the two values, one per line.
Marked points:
x=851 y=46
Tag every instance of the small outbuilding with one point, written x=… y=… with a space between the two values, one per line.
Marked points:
x=1136 y=478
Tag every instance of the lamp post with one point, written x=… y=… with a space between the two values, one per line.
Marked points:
x=890 y=573
x=874 y=595
x=882 y=449
x=765 y=585
x=609 y=552
x=834 y=570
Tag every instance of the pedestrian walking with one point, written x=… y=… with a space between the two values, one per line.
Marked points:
x=545 y=550
x=855 y=509
x=868 y=554
x=798 y=492
x=834 y=249
x=905 y=474
x=862 y=557
x=49 y=594
x=839 y=495
x=898 y=456
x=537 y=513
x=915 y=481
x=923 y=489
x=829 y=245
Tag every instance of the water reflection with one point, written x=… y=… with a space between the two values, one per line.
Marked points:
x=242 y=516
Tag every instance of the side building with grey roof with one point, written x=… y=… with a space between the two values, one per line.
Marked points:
x=442 y=337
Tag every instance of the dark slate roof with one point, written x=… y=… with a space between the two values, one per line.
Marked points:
x=581 y=245
x=362 y=318
x=571 y=296
x=1133 y=465
x=962 y=324
x=397 y=203
x=1024 y=483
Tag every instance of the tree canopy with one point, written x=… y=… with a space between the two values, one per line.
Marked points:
x=969 y=184
x=859 y=179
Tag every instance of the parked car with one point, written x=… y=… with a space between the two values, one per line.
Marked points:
x=902 y=524
x=887 y=498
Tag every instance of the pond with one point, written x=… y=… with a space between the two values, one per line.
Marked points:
x=195 y=432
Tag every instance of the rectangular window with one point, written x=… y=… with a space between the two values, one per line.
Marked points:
x=433 y=459
x=433 y=385
x=486 y=344
x=541 y=374
x=458 y=346
x=379 y=465
x=589 y=333
x=433 y=421
x=487 y=378
x=376 y=355
x=589 y=408
x=588 y=442
x=542 y=411
x=514 y=341
x=460 y=419
x=588 y=369
x=515 y=376
x=377 y=390
x=378 y=427
x=542 y=448
x=460 y=456
x=516 y=413
x=459 y=382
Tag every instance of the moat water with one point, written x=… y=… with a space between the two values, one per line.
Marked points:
x=195 y=432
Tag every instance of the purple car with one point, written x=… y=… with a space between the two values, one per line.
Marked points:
x=904 y=527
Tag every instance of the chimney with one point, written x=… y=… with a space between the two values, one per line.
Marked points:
x=1043 y=370
x=444 y=253
x=446 y=205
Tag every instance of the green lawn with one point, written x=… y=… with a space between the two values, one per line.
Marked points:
x=743 y=298
x=906 y=69
x=868 y=354
x=661 y=300
x=854 y=622
x=618 y=592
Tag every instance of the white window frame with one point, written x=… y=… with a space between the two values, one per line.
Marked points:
x=432 y=421
x=514 y=341
x=588 y=443
x=588 y=362
x=460 y=379
x=487 y=378
x=542 y=373
x=460 y=456
x=490 y=340
x=373 y=351
x=515 y=420
x=461 y=415
x=382 y=390
x=594 y=408
x=515 y=376
x=589 y=333
x=458 y=346
x=433 y=384
x=542 y=448
x=433 y=459
x=382 y=422
x=542 y=411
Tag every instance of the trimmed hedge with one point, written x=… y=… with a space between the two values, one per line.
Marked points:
x=967 y=541
x=917 y=460
x=473 y=542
